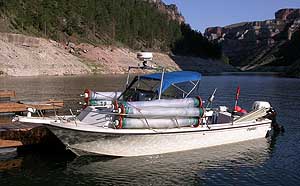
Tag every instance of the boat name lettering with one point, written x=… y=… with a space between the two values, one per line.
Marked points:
x=251 y=128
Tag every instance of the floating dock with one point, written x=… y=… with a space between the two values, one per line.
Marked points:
x=7 y=94
x=8 y=106
x=16 y=138
x=17 y=134
x=13 y=107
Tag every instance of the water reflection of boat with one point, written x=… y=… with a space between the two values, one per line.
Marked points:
x=167 y=169
x=157 y=113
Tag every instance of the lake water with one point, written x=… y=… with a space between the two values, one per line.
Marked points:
x=259 y=162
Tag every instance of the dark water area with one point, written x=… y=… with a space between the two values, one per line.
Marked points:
x=258 y=162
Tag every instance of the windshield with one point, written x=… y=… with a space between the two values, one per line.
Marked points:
x=146 y=84
x=142 y=90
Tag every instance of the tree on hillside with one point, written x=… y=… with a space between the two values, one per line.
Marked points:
x=193 y=43
x=135 y=23
x=291 y=50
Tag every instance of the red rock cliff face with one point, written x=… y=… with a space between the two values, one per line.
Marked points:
x=171 y=10
x=244 y=42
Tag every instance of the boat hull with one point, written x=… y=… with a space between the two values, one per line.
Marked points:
x=119 y=142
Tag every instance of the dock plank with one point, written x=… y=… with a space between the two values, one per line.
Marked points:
x=10 y=143
x=22 y=107
x=12 y=107
x=7 y=94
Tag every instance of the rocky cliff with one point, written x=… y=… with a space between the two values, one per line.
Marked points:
x=261 y=45
x=171 y=10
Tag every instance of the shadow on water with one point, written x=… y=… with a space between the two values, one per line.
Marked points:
x=273 y=139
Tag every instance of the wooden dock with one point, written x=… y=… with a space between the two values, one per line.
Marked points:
x=14 y=107
x=7 y=94
x=17 y=134
x=20 y=137
x=9 y=106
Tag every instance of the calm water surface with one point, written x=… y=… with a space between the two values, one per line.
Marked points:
x=259 y=162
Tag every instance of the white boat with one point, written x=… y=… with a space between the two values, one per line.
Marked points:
x=157 y=113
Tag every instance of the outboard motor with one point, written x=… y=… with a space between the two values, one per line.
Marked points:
x=271 y=114
x=260 y=104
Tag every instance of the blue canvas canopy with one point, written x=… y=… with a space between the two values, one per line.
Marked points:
x=173 y=77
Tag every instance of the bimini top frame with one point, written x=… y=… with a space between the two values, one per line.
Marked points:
x=168 y=79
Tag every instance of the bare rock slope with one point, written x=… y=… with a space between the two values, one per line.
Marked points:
x=28 y=56
x=22 y=55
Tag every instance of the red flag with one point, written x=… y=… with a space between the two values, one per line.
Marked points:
x=237 y=93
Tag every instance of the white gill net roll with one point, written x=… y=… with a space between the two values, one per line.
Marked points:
x=139 y=123
x=169 y=103
x=152 y=112
x=104 y=95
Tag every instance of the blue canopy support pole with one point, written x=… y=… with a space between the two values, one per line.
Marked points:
x=195 y=85
x=127 y=80
x=180 y=89
x=161 y=83
x=171 y=78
